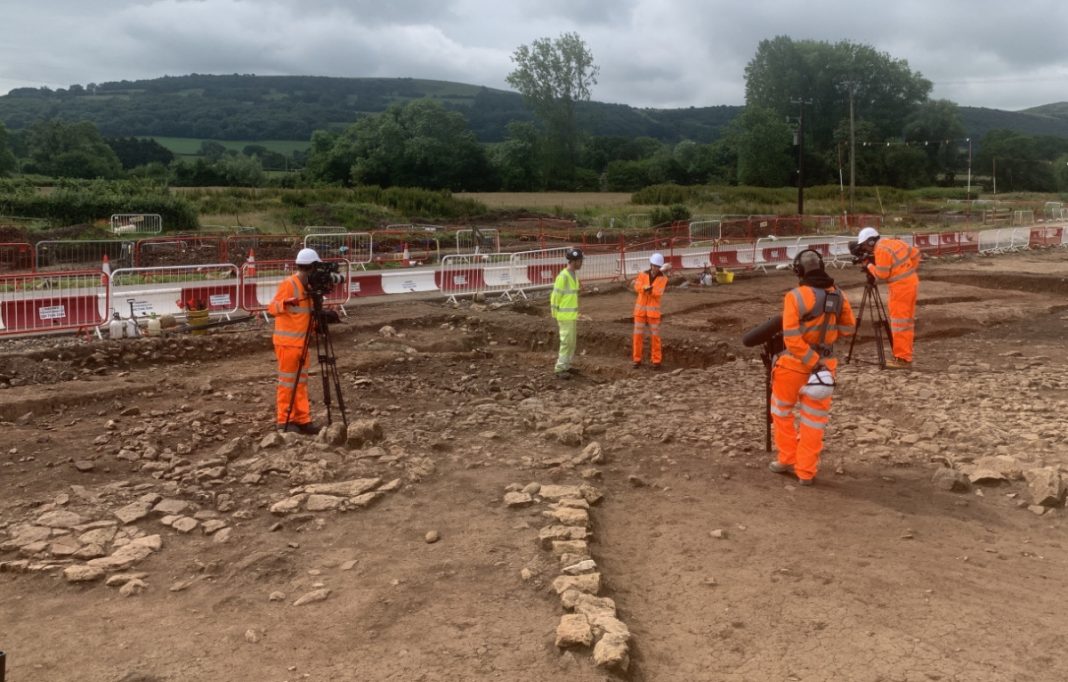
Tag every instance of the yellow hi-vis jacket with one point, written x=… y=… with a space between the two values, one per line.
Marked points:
x=564 y=299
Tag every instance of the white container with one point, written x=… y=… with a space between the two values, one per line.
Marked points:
x=132 y=331
x=155 y=328
x=116 y=328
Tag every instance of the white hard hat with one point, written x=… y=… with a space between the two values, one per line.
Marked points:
x=820 y=385
x=307 y=257
x=657 y=259
x=866 y=234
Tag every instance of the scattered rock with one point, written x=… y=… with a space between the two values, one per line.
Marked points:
x=133 y=588
x=312 y=597
x=517 y=500
x=432 y=536
x=82 y=574
x=1044 y=485
x=612 y=652
x=950 y=480
x=573 y=630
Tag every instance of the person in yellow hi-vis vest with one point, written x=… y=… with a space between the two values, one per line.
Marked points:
x=649 y=286
x=564 y=303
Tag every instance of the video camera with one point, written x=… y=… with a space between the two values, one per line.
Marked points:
x=324 y=276
x=860 y=256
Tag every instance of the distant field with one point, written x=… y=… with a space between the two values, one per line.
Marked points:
x=548 y=200
x=190 y=146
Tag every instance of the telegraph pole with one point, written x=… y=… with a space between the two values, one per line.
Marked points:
x=969 y=195
x=852 y=152
x=801 y=154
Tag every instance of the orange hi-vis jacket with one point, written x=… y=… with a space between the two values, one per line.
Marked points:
x=290 y=322
x=895 y=260
x=648 y=304
x=805 y=312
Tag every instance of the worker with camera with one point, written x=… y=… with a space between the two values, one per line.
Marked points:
x=292 y=309
x=894 y=262
x=815 y=314
x=649 y=285
x=564 y=305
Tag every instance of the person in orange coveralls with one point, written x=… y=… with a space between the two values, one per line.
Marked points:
x=292 y=311
x=895 y=263
x=815 y=314
x=649 y=286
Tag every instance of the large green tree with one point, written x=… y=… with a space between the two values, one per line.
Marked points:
x=761 y=140
x=785 y=73
x=71 y=150
x=553 y=76
x=936 y=129
x=419 y=144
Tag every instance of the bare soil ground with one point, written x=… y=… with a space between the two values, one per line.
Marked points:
x=874 y=574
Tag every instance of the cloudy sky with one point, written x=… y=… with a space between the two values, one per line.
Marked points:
x=655 y=53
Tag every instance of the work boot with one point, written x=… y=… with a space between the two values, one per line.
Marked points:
x=563 y=375
x=656 y=366
x=898 y=363
x=636 y=365
x=806 y=481
x=775 y=466
x=308 y=429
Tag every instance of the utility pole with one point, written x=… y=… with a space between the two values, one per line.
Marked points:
x=801 y=154
x=969 y=195
x=852 y=151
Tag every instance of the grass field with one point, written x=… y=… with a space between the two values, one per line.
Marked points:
x=190 y=146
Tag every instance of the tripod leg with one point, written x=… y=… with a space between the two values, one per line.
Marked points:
x=856 y=331
x=767 y=409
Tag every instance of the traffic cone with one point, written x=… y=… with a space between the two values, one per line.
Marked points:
x=105 y=268
x=250 y=264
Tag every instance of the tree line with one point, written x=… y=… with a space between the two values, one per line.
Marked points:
x=833 y=109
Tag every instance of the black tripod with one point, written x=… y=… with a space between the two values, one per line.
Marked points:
x=324 y=350
x=880 y=324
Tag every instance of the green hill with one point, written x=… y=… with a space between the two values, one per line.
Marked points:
x=245 y=107
x=261 y=108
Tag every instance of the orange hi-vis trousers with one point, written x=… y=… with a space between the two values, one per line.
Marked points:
x=292 y=379
x=801 y=445
x=902 y=312
x=646 y=324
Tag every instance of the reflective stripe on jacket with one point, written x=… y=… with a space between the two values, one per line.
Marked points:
x=564 y=300
x=894 y=260
x=648 y=304
x=805 y=310
x=290 y=322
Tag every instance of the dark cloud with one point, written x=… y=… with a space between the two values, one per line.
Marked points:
x=651 y=52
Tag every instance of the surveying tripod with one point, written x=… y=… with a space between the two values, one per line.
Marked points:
x=872 y=301
x=319 y=328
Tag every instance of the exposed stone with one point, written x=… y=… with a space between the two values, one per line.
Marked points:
x=592 y=453
x=98 y=536
x=84 y=465
x=82 y=574
x=288 y=505
x=573 y=630
x=344 y=488
x=950 y=480
x=1045 y=486
x=212 y=525
x=133 y=587
x=277 y=596
x=170 y=506
x=185 y=524
x=129 y=554
x=120 y=579
x=569 y=516
x=362 y=432
x=313 y=596
x=432 y=537
x=365 y=500
x=272 y=440
x=334 y=435
x=612 y=652
x=609 y=625
x=550 y=534
x=132 y=512
x=589 y=605
x=567 y=434
x=517 y=500
x=60 y=519
x=555 y=492
x=318 y=503
x=222 y=536
x=577 y=548
x=584 y=566
x=590 y=583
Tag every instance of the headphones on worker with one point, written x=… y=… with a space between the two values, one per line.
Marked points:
x=799 y=270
